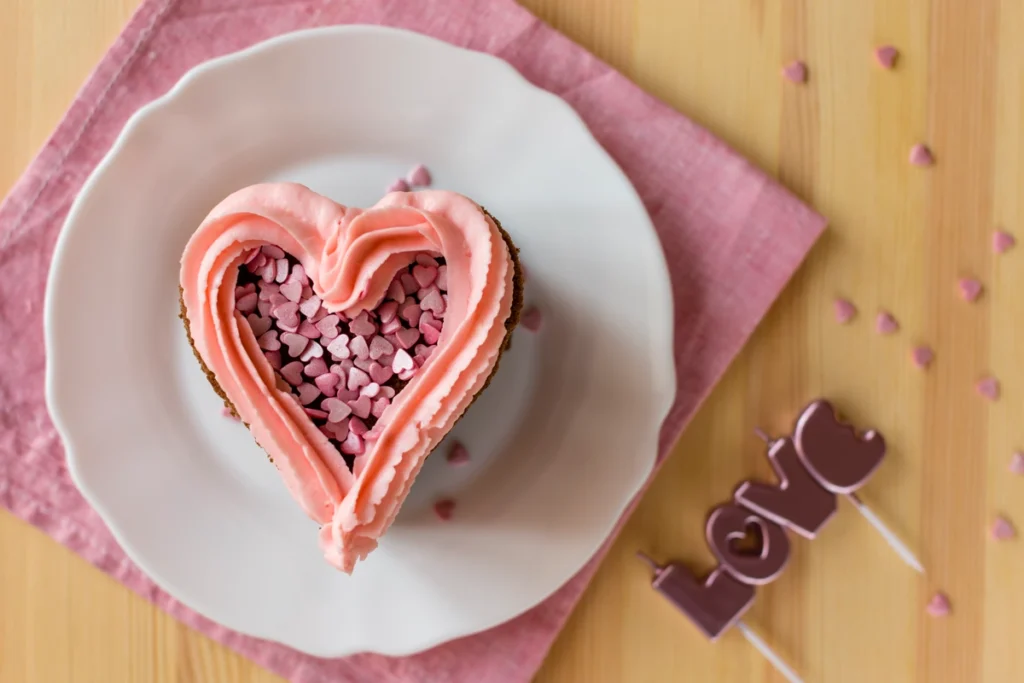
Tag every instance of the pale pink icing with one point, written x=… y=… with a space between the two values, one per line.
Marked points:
x=351 y=256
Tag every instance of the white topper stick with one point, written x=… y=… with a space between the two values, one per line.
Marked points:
x=768 y=653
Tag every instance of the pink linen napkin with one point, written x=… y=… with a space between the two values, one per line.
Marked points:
x=732 y=236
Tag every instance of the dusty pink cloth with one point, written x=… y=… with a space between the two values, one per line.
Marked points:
x=732 y=236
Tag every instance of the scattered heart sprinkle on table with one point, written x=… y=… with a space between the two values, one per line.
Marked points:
x=922 y=356
x=1002 y=529
x=988 y=387
x=920 y=155
x=458 y=454
x=400 y=185
x=844 y=311
x=444 y=509
x=419 y=176
x=1002 y=241
x=970 y=289
x=939 y=605
x=885 y=323
x=886 y=56
x=1017 y=464
x=795 y=72
x=532 y=319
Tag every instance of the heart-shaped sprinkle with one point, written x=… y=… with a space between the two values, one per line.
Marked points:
x=242 y=290
x=359 y=347
x=339 y=347
x=357 y=379
x=363 y=363
x=360 y=407
x=1003 y=529
x=371 y=389
x=425 y=259
x=844 y=311
x=353 y=444
x=379 y=346
x=402 y=362
x=432 y=301
x=315 y=368
x=424 y=350
x=431 y=335
x=425 y=275
x=1017 y=464
x=337 y=430
x=287 y=314
x=274 y=358
x=315 y=414
x=939 y=605
x=273 y=251
x=308 y=330
x=1002 y=241
x=885 y=323
x=292 y=291
x=920 y=155
x=313 y=350
x=532 y=319
x=380 y=373
x=307 y=393
x=387 y=311
x=407 y=337
x=391 y=326
x=988 y=387
x=886 y=56
x=247 y=303
x=362 y=325
x=268 y=341
x=327 y=383
x=396 y=292
x=337 y=410
x=399 y=185
x=970 y=289
x=444 y=509
x=310 y=306
x=442 y=277
x=296 y=343
x=795 y=72
x=358 y=426
x=410 y=312
x=379 y=406
x=922 y=356
x=458 y=454
x=292 y=373
x=259 y=325
x=419 y=176
x=408 y=283
x=328 y=326
x=281 y=270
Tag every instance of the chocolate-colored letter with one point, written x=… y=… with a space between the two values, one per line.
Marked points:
x=712 y=605
x=833 y=453
x=728 y=523
x=797 y=502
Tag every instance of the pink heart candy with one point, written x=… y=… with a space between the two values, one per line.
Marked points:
x=407 y=337
x=281 y=270
x=267 y=290
x=358 y=426
x=362 y=325
x=315 y=414
x=359 y=347
x=532 y=319
x=361 y=407
x=886 y=55
x=337 y=430
x=379 y=346
x=402 y=362
x=339 y=347
x=387 y=311
x=298 y=275
x=292 y=291
x=274 y=358
x=357 y=379
x=424 y=275
x=313 y=350
x=399 y=185
x=939 y=605
x=308 y=330
x=273 y=251
x=432 y=301
x=363 y=363
x=419 y=176
x=1017 y=464
x=795 y=72
x=242 y=290
x=387 y=392
x=379 y=373
x=391 y=326
x=268 y=271
x=307 y=393
x=264 y=309
x=268 y=341
x=247 y=303
x=337 y=410
x=444 y=509
x=425 y=259
x=296 y=343
x=410 y=312
x=408 y=283
x=328 y=326
x=396 y=292
x=258 y=324
x=424 y=350
x=251 y=255
x=430 y=334
x=1003 y=530
x=287 y=314
x=371 y=389
x=292 y=373
x=920 y=155
x=885 y=323
x=844 y=311
x=1002 y=241
x=327 y=383
x=315 y=368
x=970 y=289
x=379 y=406
x=922 y=356
x=442 y=278
x=353 y=444
x=988 y=387
x=458 y=454
x=310 y=306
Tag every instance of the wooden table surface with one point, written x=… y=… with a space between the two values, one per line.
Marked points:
x=846 y=609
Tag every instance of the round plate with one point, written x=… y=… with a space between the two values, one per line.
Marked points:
x=561 y=441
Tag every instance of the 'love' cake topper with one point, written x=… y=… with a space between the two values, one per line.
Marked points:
x=823 y=459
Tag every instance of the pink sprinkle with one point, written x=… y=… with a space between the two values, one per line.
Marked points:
x=310 y=306
x=359 y=347
x=419 y=176
x=307 y=393
x=444 y=509
x=410 y=312
x=939 y=605
x=408 y=283
x=988 y=387
x=337 y=430
x=402 y=362
x=362 y=325
x=308 y=330
x=442 y=278
x=407 y=337
x=922 y=356
x=273 y=251
x=281 y=273
x=399 y=186
x=337 y=410
x=379 y=373
x=358 y=426
x=315 y=414
x=844 y=311
x=387 y=392
x=433 y=302
x=296 y=343
x=426 y=260
x=292 y=291
x=363 y=363
x=970 y=289
x=1002 y=529
x=250 y=256
x=371 y=390
x=1017 y=464
x=315 y=368
x=458 y=454
x=268 y=271
x=424 y=275
x=292 y=373
x=247 y=303
x=424 y=350
x=328 y=326
x=920 y=155
x=380 y=346
x=287 y=313
x=886 y=56
x=357 y=379
x=1002 y=241
x=431 y=335
x=268 y=341
x=259 y=325
x=361 y=407
x=532 y=319
x=327 y=383
x=264 y=308
x=379 y=406
x=314 y=350
x=885 y=323
x=387 y=311
x=274 y=358
x=339 y=347
x=396 y=292
x=353 y=444
x=298 y=275
x=391 y=326
x=795 y=72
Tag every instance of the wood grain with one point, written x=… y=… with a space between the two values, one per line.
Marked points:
x=846 y=609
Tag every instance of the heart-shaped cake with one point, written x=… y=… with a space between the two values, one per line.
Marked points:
x=349 y=341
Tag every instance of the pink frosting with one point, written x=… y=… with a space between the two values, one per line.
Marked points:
x=351 y=256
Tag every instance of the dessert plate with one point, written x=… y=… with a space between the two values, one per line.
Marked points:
x=560 y=442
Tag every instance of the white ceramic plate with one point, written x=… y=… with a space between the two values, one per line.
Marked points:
x=560 y=442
